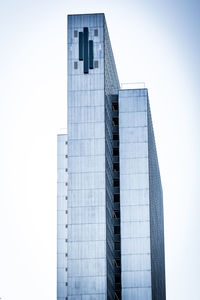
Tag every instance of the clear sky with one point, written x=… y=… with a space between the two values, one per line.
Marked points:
x=157 y=42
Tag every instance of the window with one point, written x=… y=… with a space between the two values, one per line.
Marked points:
x=116 y=167
x=66 y=170
x=66 y=283
x=96 y=32
x=96 y=64
x=66 y=143
x=75 y=33
x=117 y=278
x=75 y=65
x=117 y=246
x=66 y=211
x=66 y=269
x=66 y=156
x=66 y=240
x=116 y=151
x=115 y=137
x=66 y=254
x=116 y=182
x=66 y=197
x=66 y=226
x=116 y=214
x=115 y=121
x=117 y=262
x=117 y=295
x=115 y=106
x=117 y=230
x=116 y=197
x=66 y=183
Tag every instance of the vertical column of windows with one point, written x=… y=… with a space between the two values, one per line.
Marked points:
x=116 y=189
x=109 y=200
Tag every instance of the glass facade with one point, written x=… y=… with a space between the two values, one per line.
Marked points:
x=105 y=217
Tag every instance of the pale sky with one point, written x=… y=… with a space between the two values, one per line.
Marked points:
x=156 y=42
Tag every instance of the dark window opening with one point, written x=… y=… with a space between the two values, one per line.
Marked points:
x=117 y=262
x=116 y=151
x=117 y=279
x=85 y=50
x=115 y=121
x=75 y=33
x=115 y=137
x=117 y=295
x=115 y=106
x=117 y=229
x=116 y=214
x=91 y=54
x=80 y=45
x=116 y=182
x=116 y=197
x=75 y=65
x=96 y=32
x=116 y=167
x=117 y=246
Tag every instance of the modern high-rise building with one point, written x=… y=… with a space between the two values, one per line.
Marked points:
x=110 y=233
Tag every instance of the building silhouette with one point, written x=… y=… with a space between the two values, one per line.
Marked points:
x=110 y=233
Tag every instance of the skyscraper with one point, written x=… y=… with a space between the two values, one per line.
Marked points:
x=110 y=209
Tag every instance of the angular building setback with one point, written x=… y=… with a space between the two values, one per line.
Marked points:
x=110 y=233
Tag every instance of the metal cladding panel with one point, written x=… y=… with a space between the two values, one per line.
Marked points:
x=86 y=161
x=62 y=179
x=156 y=219
x=134 y=195
x=112 y=85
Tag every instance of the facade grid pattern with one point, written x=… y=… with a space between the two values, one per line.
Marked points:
x=110 y=231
